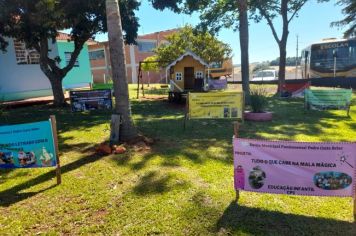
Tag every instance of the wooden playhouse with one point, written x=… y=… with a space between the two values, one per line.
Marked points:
x=187 y=73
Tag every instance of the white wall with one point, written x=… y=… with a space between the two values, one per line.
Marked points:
x=26 y=79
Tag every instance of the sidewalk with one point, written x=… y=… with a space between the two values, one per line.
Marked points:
x=32 y=101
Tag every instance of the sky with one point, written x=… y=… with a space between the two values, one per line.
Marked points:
x=311 y=25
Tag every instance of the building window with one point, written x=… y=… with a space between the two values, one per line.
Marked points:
x=146 y=46
x=179 y=76
x=25 y=56
x=68 y=56
x=96 y=55
x=199 y=75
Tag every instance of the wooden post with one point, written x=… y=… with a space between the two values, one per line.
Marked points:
x=236 y=129
x=186 y=115
x=138 y=80
x=236 y=135
x=55 y=137
x=355 y=207
x=243 y=106
x=115 y=129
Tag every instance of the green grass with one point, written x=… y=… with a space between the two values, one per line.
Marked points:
x=182 y=186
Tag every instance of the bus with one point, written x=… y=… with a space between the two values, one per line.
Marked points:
x=331 y=59
x=220 y=69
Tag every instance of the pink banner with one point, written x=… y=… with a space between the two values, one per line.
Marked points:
x=295 y=168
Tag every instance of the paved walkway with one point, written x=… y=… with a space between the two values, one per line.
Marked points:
x=32 y=101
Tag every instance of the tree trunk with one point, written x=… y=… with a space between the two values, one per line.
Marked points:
x=119 y=75
x=58 y=94
x=282 y=66
x=282 y=46
x=244 y=37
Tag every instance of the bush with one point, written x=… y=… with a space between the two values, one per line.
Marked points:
x=258 y=100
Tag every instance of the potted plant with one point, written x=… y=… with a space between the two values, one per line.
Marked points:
x=258 y=103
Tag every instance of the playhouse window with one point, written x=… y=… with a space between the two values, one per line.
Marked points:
x=68 y=56
x=199 y=75
x=179 y=76
x=25 y=56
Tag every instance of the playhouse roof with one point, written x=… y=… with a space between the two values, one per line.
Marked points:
x=187 y=53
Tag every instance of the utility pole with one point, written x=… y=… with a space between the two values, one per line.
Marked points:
x=296 y=59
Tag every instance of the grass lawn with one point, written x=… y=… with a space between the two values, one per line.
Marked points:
x=183 y=185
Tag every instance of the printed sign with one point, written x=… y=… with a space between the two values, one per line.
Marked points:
x=27 y=145
x=328 y=99
x=216 y=105
x=91 y=100
x=315 y=169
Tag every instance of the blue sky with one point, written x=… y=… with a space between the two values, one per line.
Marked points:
x=312 y=25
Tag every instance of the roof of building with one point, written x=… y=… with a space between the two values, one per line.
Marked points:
x=187 y=53
x=66 y=37
x=63 y=36
x=162 y=32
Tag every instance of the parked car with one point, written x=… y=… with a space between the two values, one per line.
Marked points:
x=265 y=75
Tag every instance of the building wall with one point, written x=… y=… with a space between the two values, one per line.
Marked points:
x=79 y=76
x=133 y=56
x=23 y=81
x=187 y=61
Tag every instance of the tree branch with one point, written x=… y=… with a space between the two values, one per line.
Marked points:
x=78 y=46
x=300 y=5
x=270 y=23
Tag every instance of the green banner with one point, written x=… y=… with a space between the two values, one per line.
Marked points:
x=328 y=99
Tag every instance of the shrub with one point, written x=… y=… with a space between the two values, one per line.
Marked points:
x=258 y=99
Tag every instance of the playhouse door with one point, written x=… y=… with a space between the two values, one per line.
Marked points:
x=188 y=77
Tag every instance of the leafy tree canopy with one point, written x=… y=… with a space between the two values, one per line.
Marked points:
x=201 y=43
x=350 y=17
x=150 y=64
x=31 y=20
x=36 y=21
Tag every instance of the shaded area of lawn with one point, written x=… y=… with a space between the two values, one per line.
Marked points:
x=241 y=219
x=181 y=186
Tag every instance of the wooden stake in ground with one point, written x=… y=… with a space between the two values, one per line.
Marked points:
x=55 y=137
x=236 y=135
x=115 y=129
x=355 y=207
x=186 y=115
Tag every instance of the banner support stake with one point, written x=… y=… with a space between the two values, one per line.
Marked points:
x=236 y=135
x=55 y=137
x=186 y=115
x=354 y=208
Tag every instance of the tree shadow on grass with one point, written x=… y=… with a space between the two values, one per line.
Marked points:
x=66 y=120
x=155 y=182
x=245 y=220
x=13 y=195
x=152 y=184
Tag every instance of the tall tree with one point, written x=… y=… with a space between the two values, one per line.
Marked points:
x=350 y=17
x=215 y=15
x=269 y=10
x=119 y=74
x=205 y=45
x=244 y=44
x=37 y=23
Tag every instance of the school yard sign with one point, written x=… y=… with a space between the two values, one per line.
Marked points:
x=31 y=145
x=295 y=168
